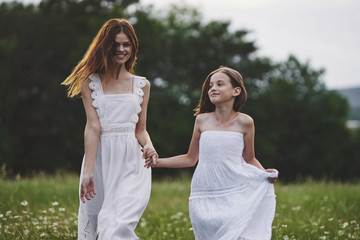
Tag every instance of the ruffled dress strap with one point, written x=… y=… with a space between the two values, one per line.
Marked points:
x=97 y=91
x=139 y=84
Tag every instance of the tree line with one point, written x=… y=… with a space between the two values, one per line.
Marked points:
x=300 y=124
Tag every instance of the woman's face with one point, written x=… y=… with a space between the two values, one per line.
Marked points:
x=122 y=48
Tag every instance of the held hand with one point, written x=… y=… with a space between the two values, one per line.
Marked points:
x=272 y=180
x=151 y=162
x=87 y=188
x=150 y=156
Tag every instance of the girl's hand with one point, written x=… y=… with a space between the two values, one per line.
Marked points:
x=272 y=180
x=150 y=156
x=87 y=188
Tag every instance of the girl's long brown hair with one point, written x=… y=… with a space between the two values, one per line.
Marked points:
x=205 y=105
x=99 y=56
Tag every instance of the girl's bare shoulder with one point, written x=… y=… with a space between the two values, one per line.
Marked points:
x=203 y=117
x=245 y=120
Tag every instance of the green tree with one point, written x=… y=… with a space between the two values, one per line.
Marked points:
x=300 y=124
x=177 y=51
x=40 y=128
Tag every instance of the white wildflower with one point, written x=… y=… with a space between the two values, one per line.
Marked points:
x=297 y=208
x=143 y=223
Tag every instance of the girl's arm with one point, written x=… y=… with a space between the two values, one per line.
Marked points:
x=140 y=132
x=249 y=136
x=185 y=160
x=91 y=138
x=249 y=150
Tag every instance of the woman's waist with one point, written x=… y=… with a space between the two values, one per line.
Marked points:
x=117 y=129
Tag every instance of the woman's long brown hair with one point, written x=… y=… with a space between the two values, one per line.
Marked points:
x=99 y=56
x=205 y=105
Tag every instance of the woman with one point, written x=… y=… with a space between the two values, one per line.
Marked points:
x=115 y=187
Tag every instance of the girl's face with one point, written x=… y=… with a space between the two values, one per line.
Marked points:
x=122 y=48
x=221 y=89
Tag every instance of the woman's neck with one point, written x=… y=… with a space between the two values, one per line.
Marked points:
x=120 y=72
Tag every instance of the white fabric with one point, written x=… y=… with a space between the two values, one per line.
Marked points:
x=230 y=199
x=122 y=183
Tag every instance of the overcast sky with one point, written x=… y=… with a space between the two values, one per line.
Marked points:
x=324 y=32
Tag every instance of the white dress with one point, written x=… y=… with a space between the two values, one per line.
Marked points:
x=230 y=199
x=122 y=183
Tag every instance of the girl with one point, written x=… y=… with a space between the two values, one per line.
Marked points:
x=114 y=188
x=231 y=197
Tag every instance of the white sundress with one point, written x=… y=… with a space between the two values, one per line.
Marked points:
x=230 y=199
x=122 y=183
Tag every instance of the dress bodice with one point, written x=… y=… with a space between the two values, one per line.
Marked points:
x=117 y=110
x=220 y=147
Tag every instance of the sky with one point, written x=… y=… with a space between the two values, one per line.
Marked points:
x=325 y=33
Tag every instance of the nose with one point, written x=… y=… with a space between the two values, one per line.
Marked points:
x=120 y=48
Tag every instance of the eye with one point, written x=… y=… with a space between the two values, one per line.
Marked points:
x=127 y=44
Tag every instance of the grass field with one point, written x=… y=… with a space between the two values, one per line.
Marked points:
x=46 y=208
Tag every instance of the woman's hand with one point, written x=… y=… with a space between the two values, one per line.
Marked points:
x=272 y=180
x=87 y=188
x=150 y=155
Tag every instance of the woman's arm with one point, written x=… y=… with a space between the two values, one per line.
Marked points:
x=185 y=160
x=91 y=138
x=141 y=133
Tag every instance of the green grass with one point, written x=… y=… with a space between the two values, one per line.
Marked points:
x=46 y=208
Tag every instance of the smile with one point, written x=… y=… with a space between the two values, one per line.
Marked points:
x=118 y=55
